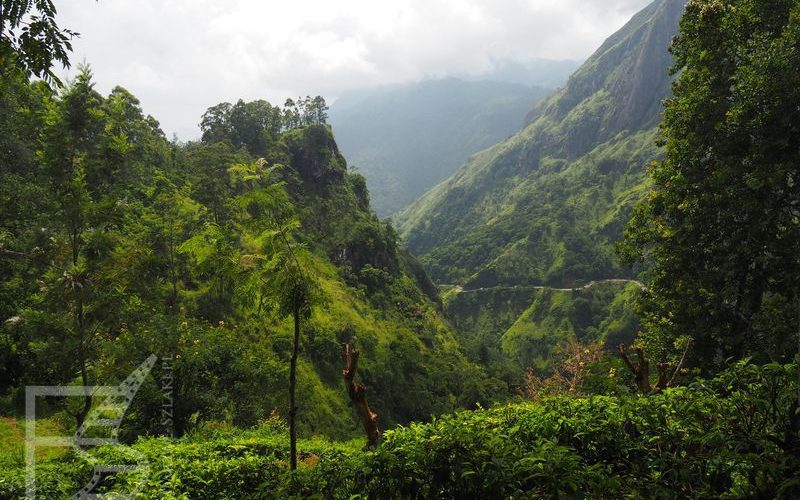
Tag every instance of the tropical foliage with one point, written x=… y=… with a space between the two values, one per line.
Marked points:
x=719 y=231
x=247 y=259
x=117 y=243
x=734 y=437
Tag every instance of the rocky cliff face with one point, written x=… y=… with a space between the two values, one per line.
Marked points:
x=628 y=75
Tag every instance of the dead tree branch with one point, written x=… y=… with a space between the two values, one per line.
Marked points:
x=357 y=393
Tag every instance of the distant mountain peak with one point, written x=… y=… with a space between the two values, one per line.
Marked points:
x=620 y=87
x=407 y=138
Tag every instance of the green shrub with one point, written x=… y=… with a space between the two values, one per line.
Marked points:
x=735 y=436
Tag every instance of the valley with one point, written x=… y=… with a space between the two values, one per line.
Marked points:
x=465 y=275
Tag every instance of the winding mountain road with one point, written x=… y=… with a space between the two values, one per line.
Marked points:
x=460 y=289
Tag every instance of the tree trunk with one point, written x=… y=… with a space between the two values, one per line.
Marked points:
x=87 y=394
x=357 y=392
x=292 y=386
x=641 y=370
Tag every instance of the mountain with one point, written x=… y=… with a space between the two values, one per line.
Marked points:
x=180 y=250
x=547 y=73
x=407 y=138
x=547 y=206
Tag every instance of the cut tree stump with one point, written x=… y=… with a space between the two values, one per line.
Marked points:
x=357 y=393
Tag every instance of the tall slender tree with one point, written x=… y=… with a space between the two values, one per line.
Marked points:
x=74 y=298
x=279 y=265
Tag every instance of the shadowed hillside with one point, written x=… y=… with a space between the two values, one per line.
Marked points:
x=407 y=138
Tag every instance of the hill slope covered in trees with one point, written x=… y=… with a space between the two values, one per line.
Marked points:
x=407 y=138
x=548 y=205
x=117 y=244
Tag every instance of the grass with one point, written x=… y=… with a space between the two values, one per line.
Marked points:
x=12 y=440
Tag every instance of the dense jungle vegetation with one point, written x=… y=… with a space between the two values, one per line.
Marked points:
x=599 y=330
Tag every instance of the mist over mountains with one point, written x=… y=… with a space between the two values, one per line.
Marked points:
x=407 y=138
x=546 y=205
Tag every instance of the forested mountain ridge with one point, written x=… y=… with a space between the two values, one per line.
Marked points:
x=547 y=205
x=249 y=261
x=117 y=244
x=407 y=138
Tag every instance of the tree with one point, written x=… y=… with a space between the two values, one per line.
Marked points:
x=291 y=115
x=25 y=198
x=215 y=123
x=279 y=263
x=207 y=171
x=30 y=38
x=358 y=396
x=305 y=111
x=72 y=298
x=667 y=375
x=320 y=110
x=255 y=125
x=90 y=158
x=173 y=215
x=720 y=229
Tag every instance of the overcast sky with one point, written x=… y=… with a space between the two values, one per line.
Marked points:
x=182 y=56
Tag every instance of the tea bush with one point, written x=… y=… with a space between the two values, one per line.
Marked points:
x=735 y=436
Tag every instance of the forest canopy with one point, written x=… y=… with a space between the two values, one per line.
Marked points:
x=289 y=320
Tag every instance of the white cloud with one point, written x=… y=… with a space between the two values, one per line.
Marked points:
x=182 y=56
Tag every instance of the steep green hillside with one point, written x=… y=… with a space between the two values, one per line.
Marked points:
x=407 y=138
x=116 y=244
x=509 y=329
x=547 y=205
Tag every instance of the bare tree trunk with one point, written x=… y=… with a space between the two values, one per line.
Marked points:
x=292 y=386
x=641 y=370
x=357 y=393
x=87 y=394
x=82 y=347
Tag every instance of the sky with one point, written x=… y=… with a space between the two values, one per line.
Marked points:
x=180 y=57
